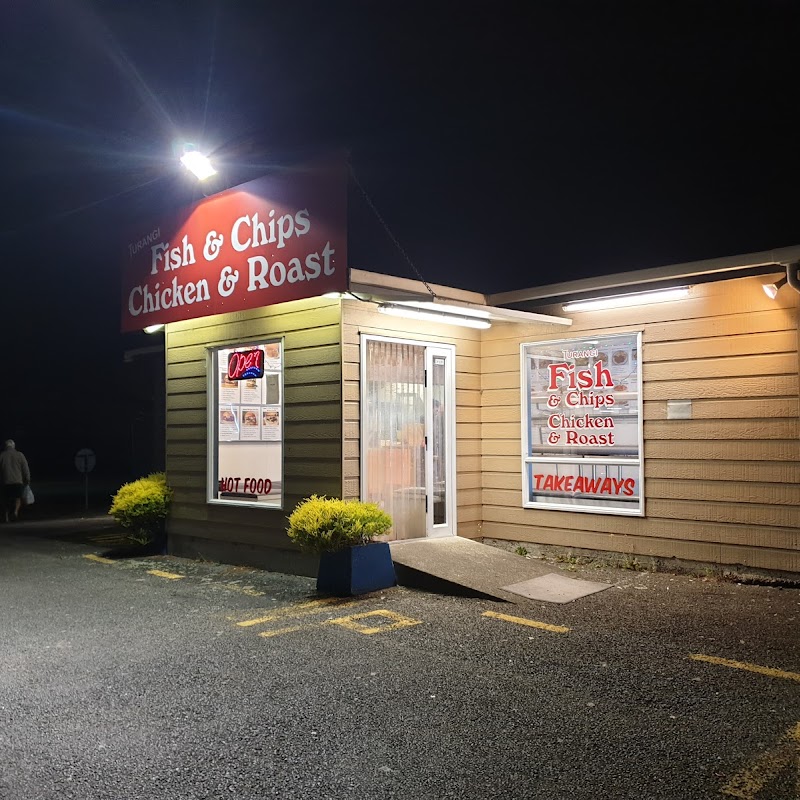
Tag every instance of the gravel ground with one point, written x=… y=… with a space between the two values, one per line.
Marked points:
x=119 y=683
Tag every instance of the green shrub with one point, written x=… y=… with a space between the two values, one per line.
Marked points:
x=142 y=506
x=320 y=524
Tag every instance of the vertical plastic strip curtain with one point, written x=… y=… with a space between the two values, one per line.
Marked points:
x=393 y=432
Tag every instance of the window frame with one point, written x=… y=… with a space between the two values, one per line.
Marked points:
x=213 y=370
x=617 y=507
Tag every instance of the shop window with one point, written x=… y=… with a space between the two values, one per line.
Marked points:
x=582 y=425
x=246 y=424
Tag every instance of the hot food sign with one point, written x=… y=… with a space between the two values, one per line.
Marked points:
x=271 y=240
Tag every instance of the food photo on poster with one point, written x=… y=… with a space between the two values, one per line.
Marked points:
x=248 y=457
x=251 y=391
x=583 y=426
x=271 y=424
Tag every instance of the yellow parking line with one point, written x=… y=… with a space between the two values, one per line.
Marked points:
x=279 y=631
x=532 y=623
x=159 y=573
x=350 y=622
x=99 y=559
x=747 y=783
x=725 y=662
x=299 y=610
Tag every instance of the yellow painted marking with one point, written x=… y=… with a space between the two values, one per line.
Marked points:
x=299 y=610
x=532 y=623
x=159 y=573
x=351 y=622
x=725 y=662
x=279 y=631
x=747 y=783
x=99 y=559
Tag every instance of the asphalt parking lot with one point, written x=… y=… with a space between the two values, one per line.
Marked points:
x=170 y=678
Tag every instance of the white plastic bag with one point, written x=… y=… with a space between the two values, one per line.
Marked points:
x=27 y=495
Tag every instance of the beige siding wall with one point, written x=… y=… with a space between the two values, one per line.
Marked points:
x=722 y=487
x=312 y=428
x=358 y=318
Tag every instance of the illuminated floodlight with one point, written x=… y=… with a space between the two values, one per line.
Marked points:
x=154 y=328
x=197 y=164
x=628 y=300
x=771 y=289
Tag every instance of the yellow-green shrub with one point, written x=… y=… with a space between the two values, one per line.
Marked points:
x=142 y=506
x=320 y=524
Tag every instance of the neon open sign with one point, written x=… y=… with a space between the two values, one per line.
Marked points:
x=246 y=364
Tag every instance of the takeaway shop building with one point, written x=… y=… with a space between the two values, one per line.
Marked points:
x=651 y=413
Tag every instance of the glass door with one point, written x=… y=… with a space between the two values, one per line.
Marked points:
x=408 y=435
x=440 y=415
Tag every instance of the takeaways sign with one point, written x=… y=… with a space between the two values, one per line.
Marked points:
x=268 y=241
x=582 y=424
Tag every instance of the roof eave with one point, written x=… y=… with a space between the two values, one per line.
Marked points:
x=674 y=272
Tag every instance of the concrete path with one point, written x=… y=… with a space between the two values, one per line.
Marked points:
x=460 y=566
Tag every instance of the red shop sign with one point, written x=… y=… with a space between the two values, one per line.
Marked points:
x=271 y=240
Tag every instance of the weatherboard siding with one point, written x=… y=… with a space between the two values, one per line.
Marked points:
x=721 y=487
x=362 y=318
x=312 y=448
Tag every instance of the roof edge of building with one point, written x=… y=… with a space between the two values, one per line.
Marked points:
x=673 y=272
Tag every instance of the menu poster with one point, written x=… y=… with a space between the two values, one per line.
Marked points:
x=272 y=356
x=270 y=425
x=229 y=391
x=249 y=424
x=251 y=390
x=228 y=425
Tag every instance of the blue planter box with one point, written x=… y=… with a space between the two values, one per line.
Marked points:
x=356 y=570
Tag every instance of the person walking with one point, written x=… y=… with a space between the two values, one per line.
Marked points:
x=15 y=475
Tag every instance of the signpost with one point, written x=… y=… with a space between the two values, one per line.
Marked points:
x=85 y=461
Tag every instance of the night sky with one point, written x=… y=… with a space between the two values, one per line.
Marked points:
x=504 y=144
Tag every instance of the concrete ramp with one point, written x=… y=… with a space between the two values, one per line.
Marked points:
x=459 y=566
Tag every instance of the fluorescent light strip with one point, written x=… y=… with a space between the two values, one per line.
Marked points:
x=426 y=305
x=408 y=312
x=627 y=300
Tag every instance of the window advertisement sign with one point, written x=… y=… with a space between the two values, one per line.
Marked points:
x=582 y=425
x=278 y=238
x=246 y=433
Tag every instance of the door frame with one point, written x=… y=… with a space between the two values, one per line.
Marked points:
x=432 y=349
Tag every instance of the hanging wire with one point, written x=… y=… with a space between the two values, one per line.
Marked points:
x=388 y=231
x=353 y=294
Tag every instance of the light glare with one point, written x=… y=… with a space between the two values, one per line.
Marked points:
x=197 y=164
x=771 y=289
